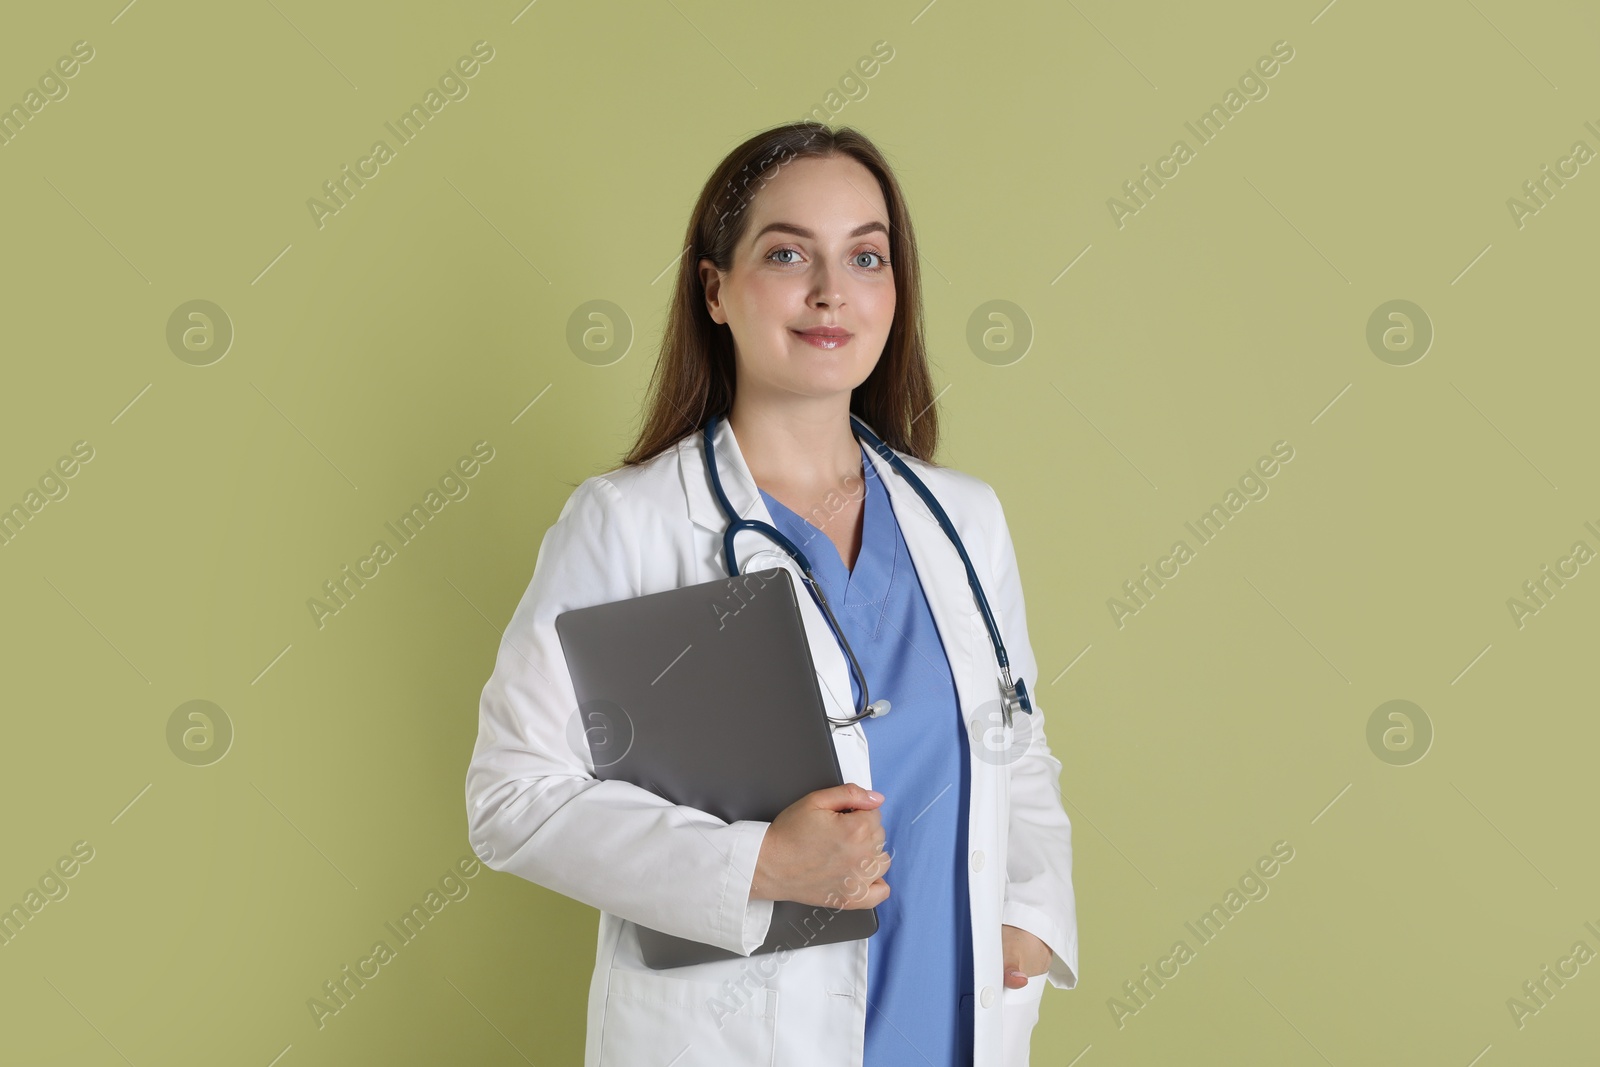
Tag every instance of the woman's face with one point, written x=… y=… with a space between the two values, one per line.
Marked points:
x=814 y=256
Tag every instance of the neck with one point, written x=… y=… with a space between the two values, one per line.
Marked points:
x=796 y=445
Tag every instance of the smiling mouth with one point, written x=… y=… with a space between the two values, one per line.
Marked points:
x=828 y=340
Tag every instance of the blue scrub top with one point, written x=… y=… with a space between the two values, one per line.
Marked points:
x=919 y=963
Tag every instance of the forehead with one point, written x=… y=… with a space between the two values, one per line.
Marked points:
x=828 y=195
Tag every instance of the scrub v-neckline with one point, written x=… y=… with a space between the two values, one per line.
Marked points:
x=869 y=578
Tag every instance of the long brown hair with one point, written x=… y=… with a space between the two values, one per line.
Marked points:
x=693 y=380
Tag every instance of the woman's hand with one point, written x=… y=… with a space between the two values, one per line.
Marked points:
x=825 y=849
x=1024 y=955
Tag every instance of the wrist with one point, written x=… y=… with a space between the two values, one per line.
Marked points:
x=759 y=887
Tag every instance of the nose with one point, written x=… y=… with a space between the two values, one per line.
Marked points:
x=825 y=291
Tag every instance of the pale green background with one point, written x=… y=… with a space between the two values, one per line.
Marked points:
x=1227 y=315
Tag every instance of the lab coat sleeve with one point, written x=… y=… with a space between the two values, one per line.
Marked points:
x=534 y=807
x=1039 y=896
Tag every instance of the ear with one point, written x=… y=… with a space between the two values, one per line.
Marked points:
x=711 y=281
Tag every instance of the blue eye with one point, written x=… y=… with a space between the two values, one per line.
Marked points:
x=883 y=260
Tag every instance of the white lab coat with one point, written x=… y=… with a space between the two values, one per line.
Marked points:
x=535 y=809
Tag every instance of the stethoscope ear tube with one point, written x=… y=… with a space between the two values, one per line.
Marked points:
x=1014 y=694
x=870 y=707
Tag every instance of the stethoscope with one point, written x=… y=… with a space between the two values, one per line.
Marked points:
x=1012 y=694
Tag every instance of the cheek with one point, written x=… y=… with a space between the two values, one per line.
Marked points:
x=772 y=297
x=882 y=303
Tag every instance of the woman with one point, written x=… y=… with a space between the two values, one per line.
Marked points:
x=799 y=307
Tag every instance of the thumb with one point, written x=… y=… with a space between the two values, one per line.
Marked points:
x=1015 y=976
x=846 y=797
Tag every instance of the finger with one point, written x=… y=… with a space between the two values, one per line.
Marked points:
x=883 y=859
x=875 y=894
x=846 y=797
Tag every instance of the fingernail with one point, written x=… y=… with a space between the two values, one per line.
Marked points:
x=1018 y=974
x=874 y=795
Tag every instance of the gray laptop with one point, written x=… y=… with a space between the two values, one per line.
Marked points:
x=707 y=696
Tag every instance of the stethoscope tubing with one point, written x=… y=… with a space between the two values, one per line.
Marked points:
x=1012 y=691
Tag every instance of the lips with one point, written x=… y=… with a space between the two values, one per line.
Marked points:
x=824 y=336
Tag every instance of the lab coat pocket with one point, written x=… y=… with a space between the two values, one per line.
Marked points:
x=657 y=1018
x=1019 y=1011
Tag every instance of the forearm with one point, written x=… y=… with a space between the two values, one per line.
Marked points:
x=625 y=850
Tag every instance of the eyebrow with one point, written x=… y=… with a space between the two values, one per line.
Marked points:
x=801 y=231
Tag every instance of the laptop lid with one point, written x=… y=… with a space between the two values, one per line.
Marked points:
x=707 y=695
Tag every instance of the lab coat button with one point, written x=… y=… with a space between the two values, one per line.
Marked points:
x=987 y=996
x=977 y=860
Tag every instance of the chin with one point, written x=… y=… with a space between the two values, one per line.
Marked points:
x=818 y=388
